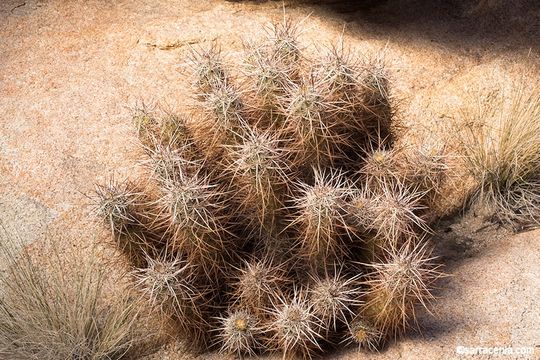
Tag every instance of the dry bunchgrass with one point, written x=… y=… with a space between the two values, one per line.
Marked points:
x=60 y=312
x=500 y=142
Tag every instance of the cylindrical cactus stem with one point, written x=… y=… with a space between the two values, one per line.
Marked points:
x=260 y=169
x=377 y=107
x=309 y=123
x=240 y=333
x=381 y=168
x=320 y=217
x=167 y=129
x=334 y=296
x=257 y=285
x=339 y=73
x=295 y=328
x=363 y=334
x=225 y=115
x=397 y=214
x=397 y=284
x=268 y=81
x=271 y=67
x=285 y=47
x=195 y=214
x=208 y=69
x=172 y=285
x=128 y=210
x=426 y=168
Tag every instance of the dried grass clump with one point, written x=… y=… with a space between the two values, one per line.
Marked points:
x=500 y=141
x=289 y=174
x=52 y=311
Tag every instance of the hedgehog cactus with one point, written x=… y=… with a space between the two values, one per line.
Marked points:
x=288 y=209
x=240 y=333
x=321 y=217
x=334 y=297
x=295 y=328
x=257 y=284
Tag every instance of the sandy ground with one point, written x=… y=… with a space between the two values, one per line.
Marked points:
x=70 y=70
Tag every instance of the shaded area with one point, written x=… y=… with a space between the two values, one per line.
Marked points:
x=491 y=24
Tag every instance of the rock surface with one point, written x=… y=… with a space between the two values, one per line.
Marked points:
x=70 y=70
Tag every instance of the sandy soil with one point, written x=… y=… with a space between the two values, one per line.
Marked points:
x=70 y=70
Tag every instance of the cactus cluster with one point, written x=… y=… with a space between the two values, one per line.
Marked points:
x=283 y=214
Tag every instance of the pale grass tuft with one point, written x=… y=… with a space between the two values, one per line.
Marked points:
x=52 y=311
x=500 y=141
